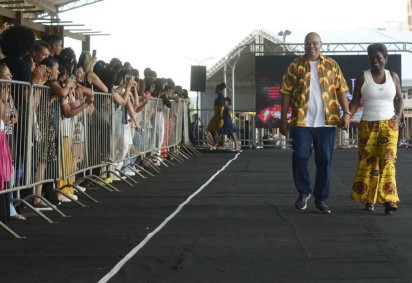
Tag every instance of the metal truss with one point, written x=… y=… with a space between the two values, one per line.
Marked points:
x=47 y=9
x=75 y=4
x=247 y=45
x=47 y=6
x=348 y=47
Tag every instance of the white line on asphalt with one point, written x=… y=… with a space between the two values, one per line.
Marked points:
x=121 y=263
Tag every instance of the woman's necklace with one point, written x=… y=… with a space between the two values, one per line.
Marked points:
x=379 y=78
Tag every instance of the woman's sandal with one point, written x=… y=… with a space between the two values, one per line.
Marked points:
x=18 y=217
x=369 y=206
x=389 y=207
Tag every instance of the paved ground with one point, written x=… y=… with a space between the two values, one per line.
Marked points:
x=240 y=227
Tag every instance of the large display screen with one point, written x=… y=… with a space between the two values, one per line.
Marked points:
x=270 y=69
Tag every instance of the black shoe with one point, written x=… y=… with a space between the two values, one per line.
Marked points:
x=369 y=206
x=302 y=201
x=322 y=207
x=389 y=207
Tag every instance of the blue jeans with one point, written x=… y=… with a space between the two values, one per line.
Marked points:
x=138 y=140
x=138 y=144
x=323 y=140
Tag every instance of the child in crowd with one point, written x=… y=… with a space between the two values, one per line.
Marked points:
x=8 y=119
x=6 y=166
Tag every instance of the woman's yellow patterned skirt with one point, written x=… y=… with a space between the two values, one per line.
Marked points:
x=216 y=122
x=67 y=158
x=376 y=176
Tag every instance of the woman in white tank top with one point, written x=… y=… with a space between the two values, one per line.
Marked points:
x=380 y=89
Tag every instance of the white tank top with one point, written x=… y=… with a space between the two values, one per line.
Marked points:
x=378 y=98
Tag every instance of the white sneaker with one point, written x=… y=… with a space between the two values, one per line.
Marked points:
x=129 y=173
x=119 y=165
x=83 y=189
x=115 y=178
x=63 y=198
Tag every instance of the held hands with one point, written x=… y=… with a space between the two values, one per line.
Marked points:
x=90 y=99
x=345 y=121
x=400 y=119
x=39 y=75
x=71 y=83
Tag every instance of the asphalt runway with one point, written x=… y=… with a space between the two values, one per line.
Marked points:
x=218 y=217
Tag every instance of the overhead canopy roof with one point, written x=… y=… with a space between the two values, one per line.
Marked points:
x=38 y=14
x=43 y=8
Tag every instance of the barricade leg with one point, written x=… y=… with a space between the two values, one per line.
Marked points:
x=35 y=210
x=100 y=182
x=144 y=170
x=171 y=153
x=149 y=164
x=179 y=152
x=5 y=227
x=69 y=196
x=79 y=191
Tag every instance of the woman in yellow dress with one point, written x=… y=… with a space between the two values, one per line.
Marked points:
x=375 y=180
x=216 y=122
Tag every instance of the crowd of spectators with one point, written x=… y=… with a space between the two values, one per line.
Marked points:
x=73 y=81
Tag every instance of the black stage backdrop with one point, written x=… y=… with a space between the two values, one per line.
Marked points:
x=270 y=69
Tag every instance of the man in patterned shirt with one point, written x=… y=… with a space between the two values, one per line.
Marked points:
x=314 y=87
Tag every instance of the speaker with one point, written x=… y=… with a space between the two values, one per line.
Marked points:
x=198 y=78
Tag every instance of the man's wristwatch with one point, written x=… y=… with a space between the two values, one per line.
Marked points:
x=347 y=113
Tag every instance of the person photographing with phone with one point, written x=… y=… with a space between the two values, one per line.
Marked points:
x=123 y=139
x=87 y=62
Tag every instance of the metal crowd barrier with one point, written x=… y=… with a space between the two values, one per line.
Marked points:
x=47 y=148
x=250 y=137
x=244 y=125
